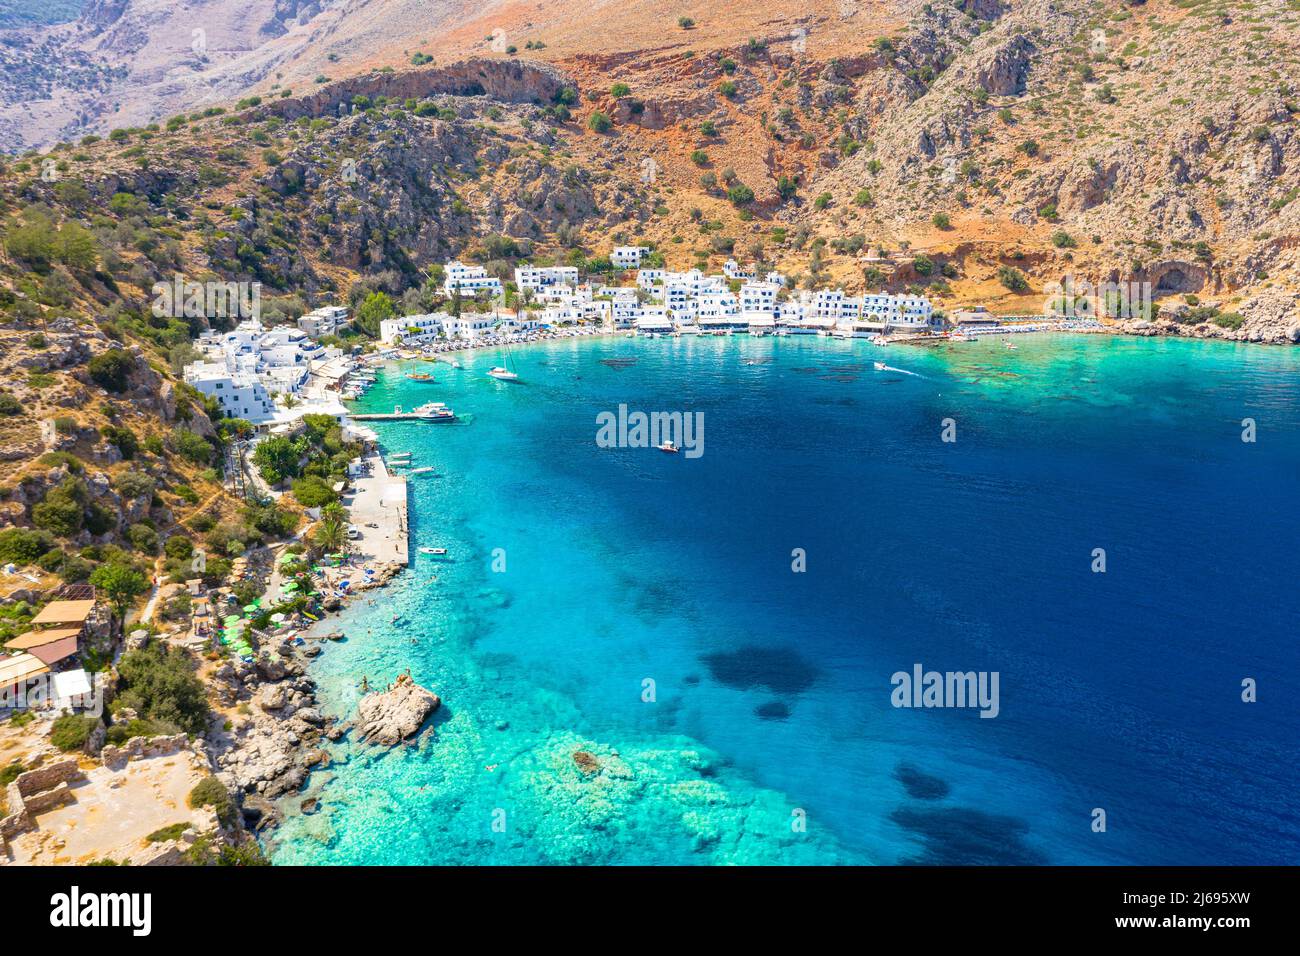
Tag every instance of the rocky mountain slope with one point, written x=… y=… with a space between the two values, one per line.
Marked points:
x=977 y=149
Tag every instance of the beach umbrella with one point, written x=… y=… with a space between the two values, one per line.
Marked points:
x=250 y=609
x=231 y=619
x=277 y=617
x=291 y=586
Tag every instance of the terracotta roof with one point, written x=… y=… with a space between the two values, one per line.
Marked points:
x=37 y=638
x=64 y=612
x=20 y=667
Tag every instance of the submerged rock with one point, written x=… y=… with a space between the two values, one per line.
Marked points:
x=586 y=762
x=390 y=716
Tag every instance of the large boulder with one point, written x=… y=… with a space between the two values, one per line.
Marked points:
x=390 y=716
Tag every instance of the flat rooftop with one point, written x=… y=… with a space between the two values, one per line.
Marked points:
x=64 y=612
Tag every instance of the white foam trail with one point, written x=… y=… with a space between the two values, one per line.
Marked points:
x=890 y=368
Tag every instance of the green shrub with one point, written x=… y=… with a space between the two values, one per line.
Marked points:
x=740 y=194
x=123 y=438
x=1013 y=279
x=63 y=512
x=134 y=484
x=178 y=547
x=168 y=833
x=22 y=546
x=159 y=683
x=111 y=370
x=598 y=122
x=71 y=731
x=313 y=492
x=143 y=538
x=192 y=446
x=210 y=792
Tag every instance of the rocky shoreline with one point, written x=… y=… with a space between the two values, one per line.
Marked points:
x=1271 y=317
x=270 y=749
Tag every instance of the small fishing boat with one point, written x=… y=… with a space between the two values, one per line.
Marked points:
x=503 y=374
x=420 y=377
x=437 y=551
x=880 y=340
x=668 y=447
x=1010 y=345
x=422 y=471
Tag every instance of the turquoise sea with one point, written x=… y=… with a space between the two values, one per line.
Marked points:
x=769 y=736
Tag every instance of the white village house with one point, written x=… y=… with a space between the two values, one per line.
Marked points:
x=470 y=280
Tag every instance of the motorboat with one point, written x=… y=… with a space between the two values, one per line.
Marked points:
x=880 y=366
x=435 y=412
x=668 y=447
x=436 y=551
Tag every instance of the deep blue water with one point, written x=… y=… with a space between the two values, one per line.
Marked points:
x=1120 y=691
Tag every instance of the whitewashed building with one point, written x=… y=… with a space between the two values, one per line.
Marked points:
x=471 y=325
x=628 y=257
x=412 y=329
x=326 y=320
x=240 y=394
x=537 y=278
x=758 y=297
x=470 y=280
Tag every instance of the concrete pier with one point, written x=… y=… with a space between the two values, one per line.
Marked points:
x=379 y=499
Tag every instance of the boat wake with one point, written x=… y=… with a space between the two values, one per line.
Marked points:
x=901 y=371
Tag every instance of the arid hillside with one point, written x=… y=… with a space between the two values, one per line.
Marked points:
x=978 y=149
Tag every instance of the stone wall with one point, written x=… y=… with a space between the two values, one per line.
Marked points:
x=138 y=748
x=35 y=791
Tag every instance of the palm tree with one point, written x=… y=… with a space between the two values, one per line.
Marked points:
x=330 y=533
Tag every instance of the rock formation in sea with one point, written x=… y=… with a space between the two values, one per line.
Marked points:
x=390 y=716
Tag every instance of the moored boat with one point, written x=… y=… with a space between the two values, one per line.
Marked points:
x=436 y=412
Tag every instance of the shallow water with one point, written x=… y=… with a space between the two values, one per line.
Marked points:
x=770 y=736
